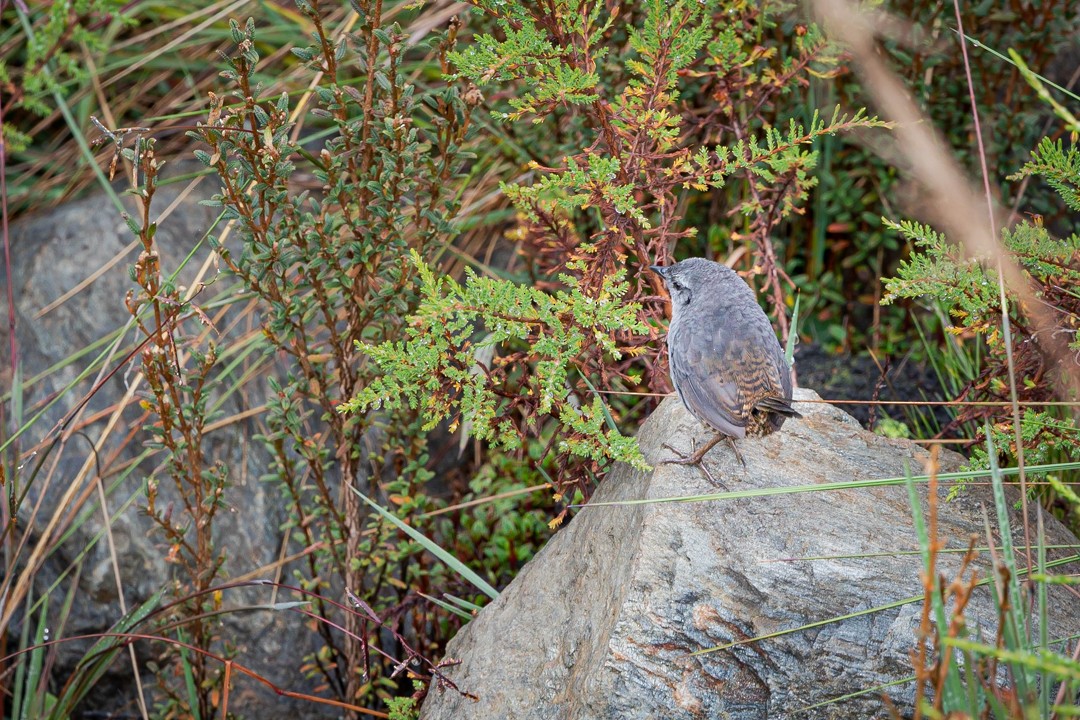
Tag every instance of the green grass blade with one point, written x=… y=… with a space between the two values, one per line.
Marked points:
x=603 y=406
x=32 y=702
x=793 y=334
x=824 y=487
x=431 y=546
x=446 y=606
x=1044 y=614
x=858 y=613
x=876 y=690
x=1015 y=628
x=1046 y=662
x=99 y=658
x=189 y=678
x=462 y=603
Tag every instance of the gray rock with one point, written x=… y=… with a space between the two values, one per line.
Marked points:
x=603 y=621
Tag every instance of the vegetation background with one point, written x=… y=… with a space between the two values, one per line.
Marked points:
x=439 y=214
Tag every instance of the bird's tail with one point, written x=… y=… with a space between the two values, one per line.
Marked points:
x=778 y=405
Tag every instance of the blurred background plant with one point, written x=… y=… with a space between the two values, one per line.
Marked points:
x=957 y=672
x=846 y=249
x=442 y=215
x=967 y=291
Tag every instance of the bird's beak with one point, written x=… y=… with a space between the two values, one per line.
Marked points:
x=659 y=270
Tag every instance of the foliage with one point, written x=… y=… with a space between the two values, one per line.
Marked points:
x=763 y=69
x=332 y=268
x=638 y=132
x=968 y=289
x=608 y=202
x=145 y=65
x=706 y=117
x=958 y=673
x=1059 y=168
x=178 y=405
x=437 y=367
x=403 y=708
x=50 y=55
x=840 y=252
x=506 y=533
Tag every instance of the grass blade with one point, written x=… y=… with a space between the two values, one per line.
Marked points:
x=793 y=335
x=431 y=546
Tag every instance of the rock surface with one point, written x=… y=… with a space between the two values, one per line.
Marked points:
x=602 y=622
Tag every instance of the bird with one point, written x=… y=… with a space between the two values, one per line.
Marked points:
x=726 y=363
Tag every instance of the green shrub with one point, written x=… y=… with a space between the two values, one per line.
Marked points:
x=968 y=289
x=601 y=209
x=332 y=268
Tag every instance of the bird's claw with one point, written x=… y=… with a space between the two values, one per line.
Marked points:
x=696 y=459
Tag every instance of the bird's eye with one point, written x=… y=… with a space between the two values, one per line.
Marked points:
x=680 y=292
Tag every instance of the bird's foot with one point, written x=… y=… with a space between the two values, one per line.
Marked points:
x=735 y=449
x=697 y=456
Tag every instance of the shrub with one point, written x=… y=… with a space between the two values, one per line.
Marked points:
x=968 y=289
x=630 y=146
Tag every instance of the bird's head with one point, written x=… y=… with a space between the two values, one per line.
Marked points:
x=689 y=277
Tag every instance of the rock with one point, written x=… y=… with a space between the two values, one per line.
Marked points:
x=603 y=621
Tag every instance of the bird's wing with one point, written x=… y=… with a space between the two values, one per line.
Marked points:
x=705 y=379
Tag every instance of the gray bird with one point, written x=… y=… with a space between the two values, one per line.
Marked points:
x=726 y=363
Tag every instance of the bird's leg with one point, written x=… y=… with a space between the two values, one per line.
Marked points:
x=696 y=456
x=697 y=459
x=735 y=449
